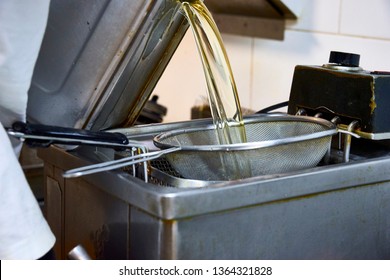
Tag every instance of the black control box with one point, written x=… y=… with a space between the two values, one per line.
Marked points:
x=341 y=88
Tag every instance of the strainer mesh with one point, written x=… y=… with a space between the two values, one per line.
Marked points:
x=236 y=164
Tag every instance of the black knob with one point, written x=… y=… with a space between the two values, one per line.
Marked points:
x=344 y=59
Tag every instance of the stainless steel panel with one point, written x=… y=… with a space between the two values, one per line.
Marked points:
x=100 y=60
x=343 y=224
x=102 y=221
x=54 y=202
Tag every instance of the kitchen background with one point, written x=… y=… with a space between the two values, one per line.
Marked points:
x=263 y=68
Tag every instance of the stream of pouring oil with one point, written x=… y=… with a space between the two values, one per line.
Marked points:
x=223 y=98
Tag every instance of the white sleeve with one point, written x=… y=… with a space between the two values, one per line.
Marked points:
x=22 y=26
x=24 y=233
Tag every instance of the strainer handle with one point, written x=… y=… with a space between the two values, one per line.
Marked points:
x=115 y=164
x=349 y=134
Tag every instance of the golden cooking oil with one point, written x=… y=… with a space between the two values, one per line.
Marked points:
x=222 y=91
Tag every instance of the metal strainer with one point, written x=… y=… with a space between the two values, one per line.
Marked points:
x=275 y=144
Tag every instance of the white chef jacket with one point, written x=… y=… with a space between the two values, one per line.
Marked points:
x=24 y=233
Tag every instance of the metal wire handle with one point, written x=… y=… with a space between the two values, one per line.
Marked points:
x=118 y=163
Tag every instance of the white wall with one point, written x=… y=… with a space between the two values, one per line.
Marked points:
x=263 y=68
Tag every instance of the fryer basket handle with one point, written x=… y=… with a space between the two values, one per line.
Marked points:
x=38 y=135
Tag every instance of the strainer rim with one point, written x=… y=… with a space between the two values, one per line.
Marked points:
x=330 y=129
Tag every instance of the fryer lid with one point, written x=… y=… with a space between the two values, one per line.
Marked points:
x=100 y=60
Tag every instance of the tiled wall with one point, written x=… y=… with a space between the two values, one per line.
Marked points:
x=263 y=68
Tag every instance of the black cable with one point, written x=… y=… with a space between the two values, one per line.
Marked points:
x=273 y=107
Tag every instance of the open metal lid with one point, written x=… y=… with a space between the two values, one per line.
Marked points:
x=100 y=60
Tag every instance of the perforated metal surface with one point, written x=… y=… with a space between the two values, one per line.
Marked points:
x=276 y=146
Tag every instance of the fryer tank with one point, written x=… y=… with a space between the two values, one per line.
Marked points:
x=334 y=211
